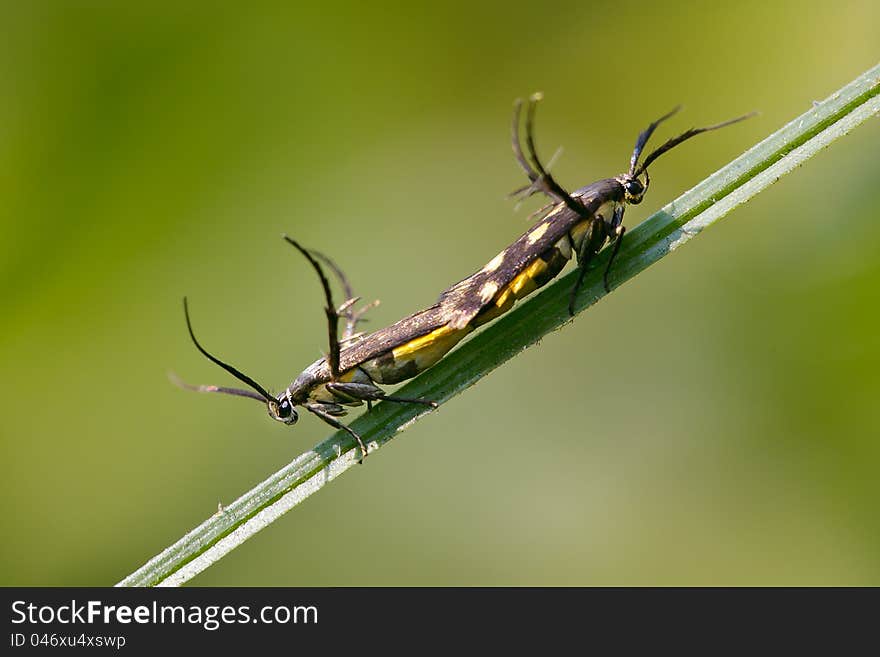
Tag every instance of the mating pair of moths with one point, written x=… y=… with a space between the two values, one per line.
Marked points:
x=580 y=222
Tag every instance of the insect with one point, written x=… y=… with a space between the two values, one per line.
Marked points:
x=579 y=223
x=347 y=376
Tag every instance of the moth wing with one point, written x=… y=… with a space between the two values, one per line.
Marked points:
x=394 y=335
x=467 y=298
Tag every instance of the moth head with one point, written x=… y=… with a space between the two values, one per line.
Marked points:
x=633 y=188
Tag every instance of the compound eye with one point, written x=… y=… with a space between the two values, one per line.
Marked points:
x=283 y=411
x=634 y=188
x=286 y=412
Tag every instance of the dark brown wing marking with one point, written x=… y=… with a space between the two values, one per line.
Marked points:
x=468 y=297
x=399 y=333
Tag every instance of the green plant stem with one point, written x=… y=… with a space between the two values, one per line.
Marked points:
x=657 y=236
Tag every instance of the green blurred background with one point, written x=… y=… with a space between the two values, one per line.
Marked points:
x=728 y=434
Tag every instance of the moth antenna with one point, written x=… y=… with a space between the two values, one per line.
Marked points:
x=244 y=378
x=645 y=135
x=238 y=392
x=675 y=141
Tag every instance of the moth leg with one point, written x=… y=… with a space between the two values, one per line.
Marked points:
x=518 y=152
x=541 y=179
x=370 y=393
x=355 y=317
x=582 y=271
x=346 y=309
x=522 y=193
x=614 y=231
x=321 y=410
x=620 y=231
x=542 y=212
x=409 y=400
x=584 y=256
x=329 y=310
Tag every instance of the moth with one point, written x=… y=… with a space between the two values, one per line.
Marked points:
x=580 y=223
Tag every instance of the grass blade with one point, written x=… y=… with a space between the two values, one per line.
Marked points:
x=659 y=235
